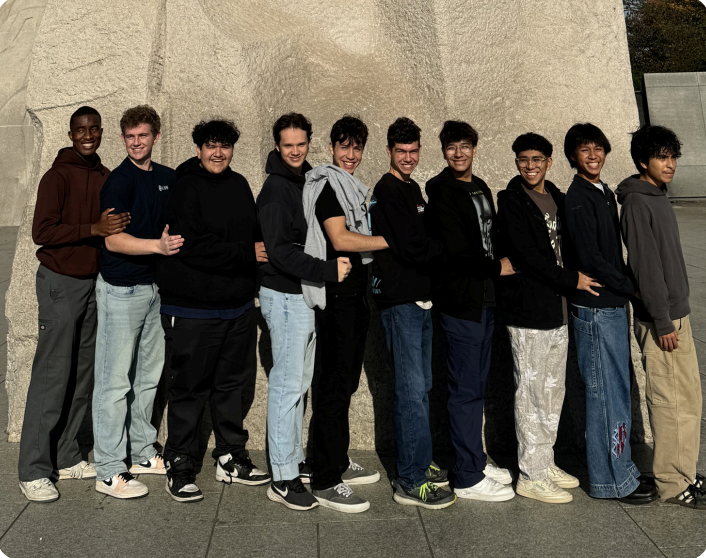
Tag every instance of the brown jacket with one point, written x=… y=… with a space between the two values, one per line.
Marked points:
x=68 y=202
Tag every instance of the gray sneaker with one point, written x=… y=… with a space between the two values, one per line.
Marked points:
x=341 y=498
x=355 y=474
x=427 y=496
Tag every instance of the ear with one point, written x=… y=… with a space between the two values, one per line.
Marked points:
x=71 y=136
x=122 y=138
x=277 y=148
x=156 y=138
x=475 y=150
x=549 y=163
x=330 y=147
x=198 y=152
x=643 y=165
x=389 y=153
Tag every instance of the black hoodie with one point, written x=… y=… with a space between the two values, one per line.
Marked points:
x=651 y=233
x=215 y=269
x=533 y=297
x=284 y=231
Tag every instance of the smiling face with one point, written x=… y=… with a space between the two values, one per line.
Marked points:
x=86 y=134
x=660 y=169
x=215 y=157
x=293 y=147
x=459 y=156
x=533 y=166
x=347 y=155
x=589 y=159
x=139 y=141
x=404 y=158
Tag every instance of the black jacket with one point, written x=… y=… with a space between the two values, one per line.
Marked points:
x=402 y=273
x=459 y=281
x=533 y=297
x=594 y=246
x=284 y=231
x=216 y=215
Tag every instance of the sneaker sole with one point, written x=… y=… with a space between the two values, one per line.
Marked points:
x=145 y=471
x=39 y=501
x=567 y=484
x=534 y=496
x=230 y=480
x=345 y=508
x=370 y=479
x=272 y=495
x=109 y=492
x=180 y=499
x=487 y=497
x=410 y=502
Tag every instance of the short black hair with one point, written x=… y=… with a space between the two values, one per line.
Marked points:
x=403 y=131
x=584 y=133
x=349 y=128
x=224 y=132
x=457 y=130
x=532 y=142
x=652 y=141
x=291 y=120
x=84 y=111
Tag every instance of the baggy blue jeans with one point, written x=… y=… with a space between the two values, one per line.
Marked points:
x=408 y=333
x=603 y=348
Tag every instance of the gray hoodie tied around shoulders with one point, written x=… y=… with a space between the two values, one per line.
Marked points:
x=352 y=195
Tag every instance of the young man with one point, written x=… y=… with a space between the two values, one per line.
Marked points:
x=662 y=326
x=208 y=316
x=67 y=220
x=289 y=319
x=530 y=219
x=402 y=291
x=130 y=344
x=337 y=218
x=600 y=322
x=460 y=216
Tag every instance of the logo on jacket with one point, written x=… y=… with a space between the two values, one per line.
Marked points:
x=163 y=188
x=420 y=208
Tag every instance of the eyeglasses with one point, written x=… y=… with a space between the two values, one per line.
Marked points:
x=525 y=161
x=466 y=149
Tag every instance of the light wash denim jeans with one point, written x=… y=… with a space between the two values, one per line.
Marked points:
x=603 y=350
x=129 y=361
x=292 y=331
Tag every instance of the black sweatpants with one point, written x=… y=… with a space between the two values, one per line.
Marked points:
x=341 y=331
x=210 y=360
x=62 y=375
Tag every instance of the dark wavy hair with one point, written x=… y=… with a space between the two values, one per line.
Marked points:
x=457 y=130
x=403 y=131
x=84 y=111
x=141 y=114
x=532 y=142
x=224 y=132
x=291 y=120
x=349 y=128
x=652 y=141
x=584 y=134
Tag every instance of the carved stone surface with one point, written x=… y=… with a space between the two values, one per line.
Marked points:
x=507 y=67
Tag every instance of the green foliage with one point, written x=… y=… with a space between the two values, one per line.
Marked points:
x=665 y=36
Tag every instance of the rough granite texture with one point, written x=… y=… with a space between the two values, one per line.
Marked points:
x=498 y=65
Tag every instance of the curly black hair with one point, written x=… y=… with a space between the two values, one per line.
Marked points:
x=291 y=120
x=457 y=130
x=584 y=134
x=652 y=141
x=403 y=131
x=349 y=128
x=532 y=142
x=224 y=132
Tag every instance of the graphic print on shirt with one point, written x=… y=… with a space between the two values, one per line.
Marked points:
x=554 y=236
x=485 y=220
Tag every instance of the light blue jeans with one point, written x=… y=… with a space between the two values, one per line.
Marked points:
x=129 y=360
x=292 y=331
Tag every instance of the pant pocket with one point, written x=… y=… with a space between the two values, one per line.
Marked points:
x=659 y=385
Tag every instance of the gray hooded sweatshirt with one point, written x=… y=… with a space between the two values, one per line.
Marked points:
x=651 y=234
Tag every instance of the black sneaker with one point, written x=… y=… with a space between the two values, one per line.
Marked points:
x=239 y=468
x=292 y=494
x=305 y=471
x=181 y=480
x=427 y=496
x=436 y=475
x=700 y=483
x=692 y=498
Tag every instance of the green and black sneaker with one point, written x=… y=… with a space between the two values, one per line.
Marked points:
x=427 y=496
x=436 y=475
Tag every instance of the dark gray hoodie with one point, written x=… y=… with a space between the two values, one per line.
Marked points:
x=651 y=234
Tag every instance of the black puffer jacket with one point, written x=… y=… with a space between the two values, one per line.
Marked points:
x=531 y=298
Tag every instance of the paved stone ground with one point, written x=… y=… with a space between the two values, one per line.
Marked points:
x=241 y=521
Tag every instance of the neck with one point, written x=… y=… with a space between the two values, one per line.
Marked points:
x=537 y=187
x=396 y=173
x=595 y=179
x=143 y=164
x=90 y=159
x=465 y=176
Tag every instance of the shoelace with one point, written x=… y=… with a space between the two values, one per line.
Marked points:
x=39 y=484
x=426 y=489
x=76 y=472
x=344 y=490
x=433 y=467
x=126 y=476
x=691 y=495
x=353 y=465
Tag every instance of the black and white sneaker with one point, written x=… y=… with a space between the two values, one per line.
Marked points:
x=692 y=498
x=292 y=494
x=305 y=471
x=700 y=483
x=356 y=474
x=238 y=468
x=427 y=496
x=181 y=480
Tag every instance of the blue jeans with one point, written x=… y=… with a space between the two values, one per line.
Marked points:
x=603 y=348
x=408 y=332
x=129 y=361
x=468 y=346
x=292 y=331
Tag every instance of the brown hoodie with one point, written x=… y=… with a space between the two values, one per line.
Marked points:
x=68 y=202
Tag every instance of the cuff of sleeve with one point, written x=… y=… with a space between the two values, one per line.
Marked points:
x=331 y=271
x=498 y=268
x=250 y=255
x=664 y=326
x=84 y=231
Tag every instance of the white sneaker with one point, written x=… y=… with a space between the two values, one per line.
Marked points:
x=543 y=490
x=123 y=486
x=153 y=466
x=488 y=490
x=503 y=476
x=40 y=490
x=82 y=470
x=561 y=478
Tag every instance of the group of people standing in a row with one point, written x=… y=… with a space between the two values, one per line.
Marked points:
x=147 y=261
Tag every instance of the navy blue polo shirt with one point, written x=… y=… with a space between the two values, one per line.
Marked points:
x=144 y=194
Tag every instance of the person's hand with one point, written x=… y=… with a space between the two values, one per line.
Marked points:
x=586 y=282
x=260 y=253
x=109 y=224
x=506 y=268
x=669 y=342
x=169 y=245
x=344 y=268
